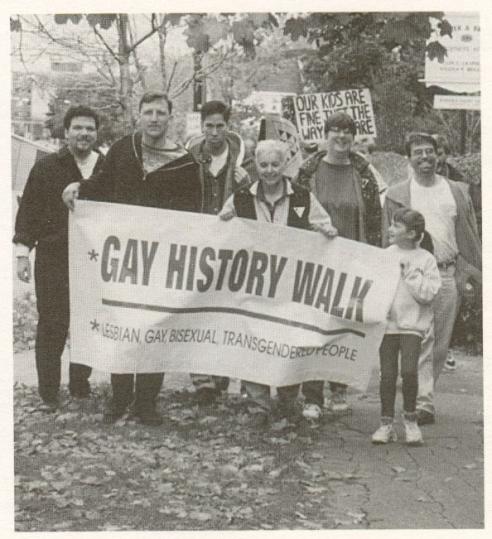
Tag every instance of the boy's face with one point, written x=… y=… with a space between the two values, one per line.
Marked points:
x=399 y=235
x=215 y=128
x=269 y=164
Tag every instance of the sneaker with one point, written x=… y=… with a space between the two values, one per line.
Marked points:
x=150 y=417
x=385 y=434
x=49 y=405
x=312 y=412
x=425 y=418
x=413 y=435
x=450 y=364
x=338 y=404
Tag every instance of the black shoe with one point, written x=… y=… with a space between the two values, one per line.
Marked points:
x=205 y=396
x=222 y=384
x=80 y=394
x=150 y=417
x=113 y=413
x=49 y=405
x=425 y=418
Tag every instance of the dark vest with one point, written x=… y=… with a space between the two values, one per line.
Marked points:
x=245 y=206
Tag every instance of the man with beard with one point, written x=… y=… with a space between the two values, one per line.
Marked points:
x=42 y=223
x=146 y=169
x=451 y=223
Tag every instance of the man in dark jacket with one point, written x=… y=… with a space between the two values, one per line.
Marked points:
x=144 y=169
x=42 y=222
x=220 y=154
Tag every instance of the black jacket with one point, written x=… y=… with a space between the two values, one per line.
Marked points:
x=174 y=186
x=42 y=218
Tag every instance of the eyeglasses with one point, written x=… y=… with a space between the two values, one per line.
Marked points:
x=340 y=130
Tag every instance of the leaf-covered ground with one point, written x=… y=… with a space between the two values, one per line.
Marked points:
x=203 y=469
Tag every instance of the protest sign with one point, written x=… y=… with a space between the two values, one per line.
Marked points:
x=311 y=111
x=275 y=127
x=157 y=290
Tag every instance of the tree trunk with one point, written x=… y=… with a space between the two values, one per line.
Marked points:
x=162 y=58
x=138 y=65
x=126 y=83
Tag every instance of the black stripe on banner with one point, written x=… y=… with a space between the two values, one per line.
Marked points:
x=230 y=310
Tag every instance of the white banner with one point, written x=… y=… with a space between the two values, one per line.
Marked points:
x=313 y=109
x=155 y=290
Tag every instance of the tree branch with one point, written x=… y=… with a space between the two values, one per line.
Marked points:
x=147 y=35
x=171 y=77
x=202 y=73
x=138 y=65
x=103 y=41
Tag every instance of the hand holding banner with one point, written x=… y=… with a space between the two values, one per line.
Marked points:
x=155 y=290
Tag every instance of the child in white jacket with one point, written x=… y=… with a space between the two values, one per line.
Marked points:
x=409 y=318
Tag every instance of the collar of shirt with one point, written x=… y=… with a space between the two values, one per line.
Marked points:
x=256 y=190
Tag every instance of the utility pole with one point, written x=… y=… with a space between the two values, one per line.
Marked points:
x=199 y=83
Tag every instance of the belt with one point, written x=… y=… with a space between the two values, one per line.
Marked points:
x=446 y=265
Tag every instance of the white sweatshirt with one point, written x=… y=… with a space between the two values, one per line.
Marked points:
x=411 y=311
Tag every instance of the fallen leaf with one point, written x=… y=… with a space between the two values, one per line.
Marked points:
x=63 y=525
x=202 y=517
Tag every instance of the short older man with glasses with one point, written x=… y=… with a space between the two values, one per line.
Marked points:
x=344 y=183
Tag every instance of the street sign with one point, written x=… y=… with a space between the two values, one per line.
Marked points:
x=457 y=102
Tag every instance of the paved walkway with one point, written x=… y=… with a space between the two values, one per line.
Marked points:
x=439 y=485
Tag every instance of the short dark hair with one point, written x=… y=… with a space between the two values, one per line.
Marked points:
x=442 y=142
x=341 y=120
x=419 y=138
x=80 y=110
x=149 y=97
x=215 y=107
x=413 y=220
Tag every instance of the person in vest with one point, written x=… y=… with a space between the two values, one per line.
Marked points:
x=273 y=199
x=42 y=223
x=220 y=153
x=344 y=183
